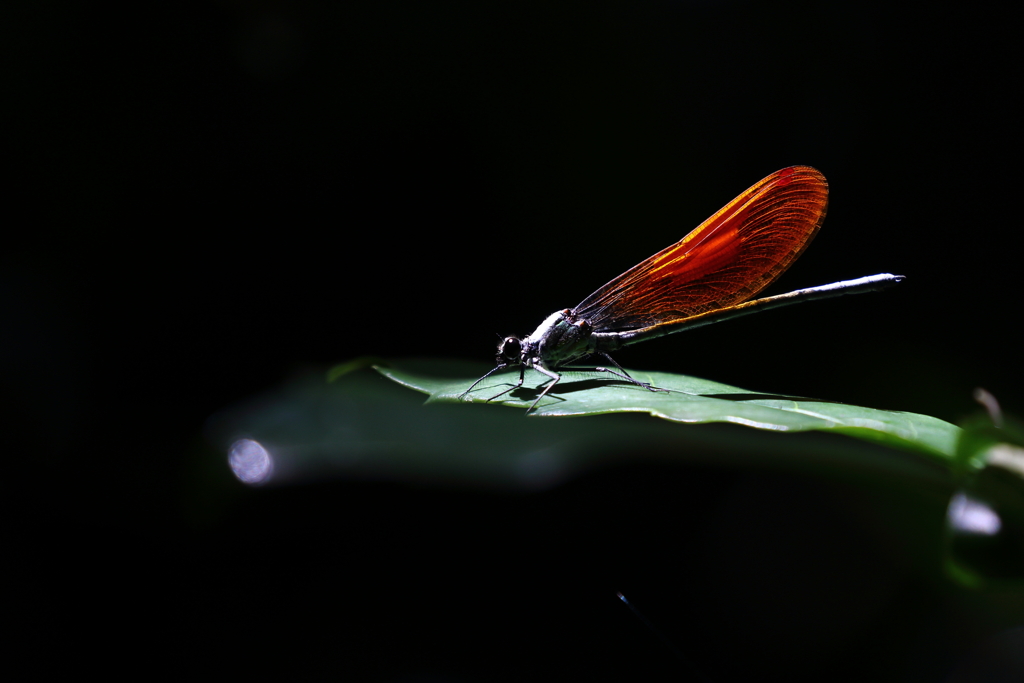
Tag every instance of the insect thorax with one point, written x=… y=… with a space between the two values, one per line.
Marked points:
x=560 y=339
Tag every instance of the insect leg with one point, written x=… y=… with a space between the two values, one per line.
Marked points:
x=625 y=375
x=553 y=375
x=522 y=372
x=473 y=385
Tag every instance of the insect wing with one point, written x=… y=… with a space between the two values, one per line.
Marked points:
x=728 y=259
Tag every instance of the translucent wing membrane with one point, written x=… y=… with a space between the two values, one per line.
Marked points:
x=728 y=259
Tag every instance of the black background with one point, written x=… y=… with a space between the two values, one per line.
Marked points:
x=212 y=197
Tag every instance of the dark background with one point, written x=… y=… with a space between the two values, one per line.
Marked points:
x=212 y=197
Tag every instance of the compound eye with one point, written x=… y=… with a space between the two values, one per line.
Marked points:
x=509 y=350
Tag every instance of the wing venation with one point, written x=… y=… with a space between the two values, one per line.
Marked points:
x=726 y=260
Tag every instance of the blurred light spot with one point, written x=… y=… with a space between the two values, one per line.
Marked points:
x=971 y=516
x=991 y=405
x=1007 y=456
x=250 y=462
x=540 y=468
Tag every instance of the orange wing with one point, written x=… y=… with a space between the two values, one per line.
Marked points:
x=728 y=259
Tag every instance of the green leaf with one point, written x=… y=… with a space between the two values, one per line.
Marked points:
x=688 y=399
